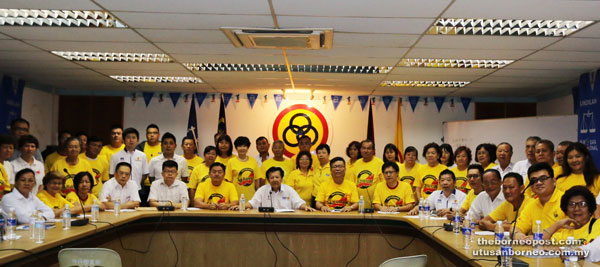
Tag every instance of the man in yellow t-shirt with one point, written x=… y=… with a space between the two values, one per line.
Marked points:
x=189 y=153
x=367 y=172
x=201 y=172
x=304 y=144
x=393 y=195
x=278 y=160
x=546 y=207
x=71 y=165
x=337 y=193
x=61 y=151
x=99 y=164
x=243 y=170
x=151 y=147
x=475 y=178
x=323 y=171
x=216 y=194
x=116 y=142
x=512 y=189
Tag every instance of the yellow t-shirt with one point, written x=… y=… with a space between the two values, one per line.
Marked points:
x=243 y=174
x=315 y=161
x=192 y=163
x=151 y=152
x=557 y=171
x=322 y=174
x=54 y=202
x=81 y=166
x=224 y=160
x=225 y=193
x=470 y=197
x=349 y=171
x=100 y=172
x=303 y=184
x=565 y=183
x=109 y=150
x=286 y=165
x=506 y=210
x=583 y=234
x=4 y=183
x=366 y=175
x=73 y=198
x=408 y=177
x=399 y=196
x=337 y=196
x=429 y=179
x=50 y=159
x=491 y=165
x=462 y=183
x=198 y=176
x=548 y=214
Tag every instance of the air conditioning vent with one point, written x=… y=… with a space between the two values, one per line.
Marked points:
x=312 y=39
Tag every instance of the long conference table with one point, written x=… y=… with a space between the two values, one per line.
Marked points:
x=250 y=238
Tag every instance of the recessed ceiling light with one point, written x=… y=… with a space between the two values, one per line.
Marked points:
x=424 y=83
x=510 y=27
x=155 y=79
x=58 y=18
x=454 y=63
x=294 y=68
x=113 y=57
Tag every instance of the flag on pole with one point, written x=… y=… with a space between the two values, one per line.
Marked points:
x=222 y=124
x=370 y=128
x=398 y=136
x=192 y=125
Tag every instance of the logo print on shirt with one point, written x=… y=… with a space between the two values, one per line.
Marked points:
x=409 y=178
x=393 y=201
x=365 y=179
x=216 y=195
x=428 y=188
x=337 y=200
x=246 y=177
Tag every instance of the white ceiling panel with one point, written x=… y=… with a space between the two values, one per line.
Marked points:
x=492 y=92
x=165 y=87
x=353 y=61
x=135 y=72
x=54 y=4
x=553 y=65
x=374 y=40
x=191 y=21
x=359 y=25
x=231 y=59
x=4 y=37
x=487 y=42
x=338 y=76
x=132 y=65
x=440 y=71
x=233 y=76
x=519 y=9
x=352 y=51
x=467 y=53
x=255 y=7
x=15 y=45
x=430 y=77
x=35 y=64
x=525 y=80
x=414 y=91
x=96 y=46
x=360 y=8
x=212 y=49
x=592 y=31
x=536 y=73
x=72 y=34
x=27 y=55
x=577 y=44
x=565 y=56
x=185 y=36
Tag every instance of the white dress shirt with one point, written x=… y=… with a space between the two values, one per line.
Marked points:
x=508 y=169
x=37 y=167
x=138 y=161
x=161 y=192
x=157 y=162
x=437 y=200
x=521 y=167
x=593 y=248
x=10 y=171
x=285 y=198
x=483 y=205
x=260 y=161
x=24 y=206
x=126 y=193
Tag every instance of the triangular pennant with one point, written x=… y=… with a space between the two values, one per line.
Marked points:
x=387 y=100
x=200 y=98
x=335 y=99
x=465 y=101
x=363 y=101
x=278 y=98
x=147 y=97
x=439 y=102
x=252 y=99
x=174 y=98
x=413 y=100
x=226 y=98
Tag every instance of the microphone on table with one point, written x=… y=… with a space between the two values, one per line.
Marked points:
x=166 y=207
x=78 y=222
x=268 y=209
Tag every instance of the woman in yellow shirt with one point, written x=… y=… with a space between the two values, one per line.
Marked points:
x=485 y=154
x=353 y=153
x=301 y=179
x=224 y=149
x=578 y=169
x=83 y=183
x=50 y=195
x=462 y=157
x=447 y=157
x=390 y=154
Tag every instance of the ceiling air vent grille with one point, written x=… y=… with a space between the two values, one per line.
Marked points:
x=312 y=39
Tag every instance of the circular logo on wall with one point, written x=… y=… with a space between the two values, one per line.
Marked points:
x=300 y=120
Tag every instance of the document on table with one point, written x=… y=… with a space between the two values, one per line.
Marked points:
x=390 y=212
x=284 y=210
x=122 y=210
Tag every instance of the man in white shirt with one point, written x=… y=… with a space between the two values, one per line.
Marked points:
x=504 y=153
x=136 y=159
x=522 y=166
x=487 y=201
x=262 y=146
x=442 y=200
x=168 y=145
x=168 y=190
x=120 y=187
x=28 y=144
x=23 y=201
x=277 y=195
x=20 y=127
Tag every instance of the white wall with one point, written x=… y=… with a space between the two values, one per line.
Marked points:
x=347 y=123
x=40 y=108
x=557 y=106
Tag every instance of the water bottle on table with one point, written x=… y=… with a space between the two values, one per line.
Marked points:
x=467 y=231
x=66 y=216
x=361 y=205
x=421 y=211
x=426 y=210
x=11 y=224
x=456 y=218
x=537 y=236
x=242 y=203
x=117 y=207
x=506 y=251
x=40 y=229
x=95 y=211
x=499 y=232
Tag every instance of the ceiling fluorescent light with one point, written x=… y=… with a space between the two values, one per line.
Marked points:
x=283 y=68
x=113 y=57
x=507 y=27
x=424 y=83
x=155 y=79
x=454 y=63
x=58 y=18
